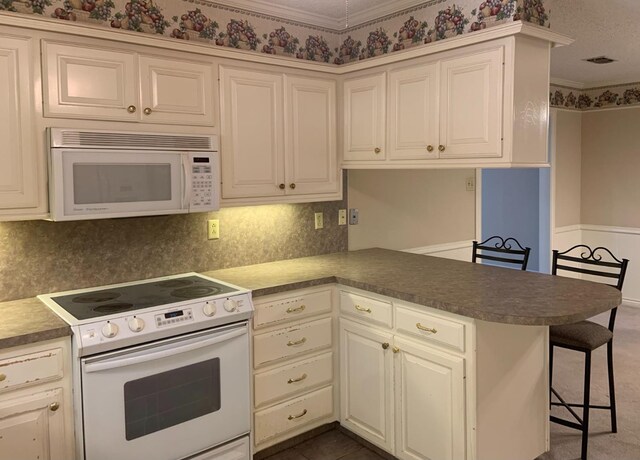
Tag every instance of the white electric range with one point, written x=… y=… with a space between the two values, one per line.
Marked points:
x=161 y=368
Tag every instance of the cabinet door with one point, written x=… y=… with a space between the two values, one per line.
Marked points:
x=471 y=105
x=19 y=169
x=310 y=131
x=430 y=406
x=33 y=427
x=413 y=113
x=364 y=118
x=176 y=92
x=251 y=133
x=366 y=383
x=89 y=83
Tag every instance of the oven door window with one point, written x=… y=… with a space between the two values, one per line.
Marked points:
x=169 y=398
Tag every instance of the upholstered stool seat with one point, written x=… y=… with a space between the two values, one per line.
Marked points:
x=585 y=334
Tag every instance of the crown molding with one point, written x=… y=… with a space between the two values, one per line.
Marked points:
x=377 y=12
x=611 y=83
x=567 y=83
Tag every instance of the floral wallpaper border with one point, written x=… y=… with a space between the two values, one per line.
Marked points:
x=624 y=95
x=219 y=25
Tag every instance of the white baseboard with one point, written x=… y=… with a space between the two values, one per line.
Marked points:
x=633 y=303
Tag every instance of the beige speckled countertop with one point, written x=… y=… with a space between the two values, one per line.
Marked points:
x=27 y=321
x=478 y=291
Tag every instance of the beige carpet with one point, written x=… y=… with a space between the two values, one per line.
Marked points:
x=567 y=379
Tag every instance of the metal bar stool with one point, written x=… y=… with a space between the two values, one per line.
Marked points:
x=504 y=250
x=586 y=336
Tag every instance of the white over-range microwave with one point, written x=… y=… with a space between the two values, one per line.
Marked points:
x=103 y=174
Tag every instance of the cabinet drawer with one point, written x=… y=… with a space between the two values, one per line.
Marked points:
x=288 y=380
x=291 y=341
x=430 y=328
x=291 y=308
x=293 y=414
x=29 y=369
x=368 y=309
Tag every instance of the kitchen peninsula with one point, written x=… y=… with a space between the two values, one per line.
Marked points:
x=432 y=358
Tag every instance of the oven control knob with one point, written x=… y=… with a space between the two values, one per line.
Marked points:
x=136 y=324
x=110 y=330
x=209 y=308
x=230 y=305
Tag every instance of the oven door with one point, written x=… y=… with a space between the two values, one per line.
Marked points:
x=96 y=184
x=168 y=399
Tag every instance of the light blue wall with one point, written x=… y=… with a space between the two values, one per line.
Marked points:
x=511 y=208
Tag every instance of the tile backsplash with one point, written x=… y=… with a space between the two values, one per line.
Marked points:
x=38 y=257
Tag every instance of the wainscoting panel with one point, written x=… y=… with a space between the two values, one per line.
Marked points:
x=459 y=250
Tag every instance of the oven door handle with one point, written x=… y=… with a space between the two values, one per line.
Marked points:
x=112 y=364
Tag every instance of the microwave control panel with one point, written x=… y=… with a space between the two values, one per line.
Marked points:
x=204 y=195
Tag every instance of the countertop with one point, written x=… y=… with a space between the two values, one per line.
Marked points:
x=478 y=291
x=27 y=321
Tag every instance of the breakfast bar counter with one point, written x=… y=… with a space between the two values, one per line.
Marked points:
x=474 y=290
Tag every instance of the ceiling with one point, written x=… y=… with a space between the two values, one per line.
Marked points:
x=610 y=28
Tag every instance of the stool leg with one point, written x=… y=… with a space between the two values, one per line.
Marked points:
x=612 y=387
x=585 y=413
x=550 y=371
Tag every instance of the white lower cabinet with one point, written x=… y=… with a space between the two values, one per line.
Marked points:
x=294 y=364
x=429 y=403
x=366 y=382
x=35 y=402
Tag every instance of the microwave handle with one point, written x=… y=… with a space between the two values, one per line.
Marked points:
x=111 y=364
x=186 y=182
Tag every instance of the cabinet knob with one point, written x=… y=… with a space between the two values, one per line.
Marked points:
x=147 y=111
x=429 y=148
x=441 y=148
x=395 y=349
x=281 y=186
x=131 y=109
x=54 y=406
x=292 y=186
x=2 y=377
x=377 y=150
x=385 y=346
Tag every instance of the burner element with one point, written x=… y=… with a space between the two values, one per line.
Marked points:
x=193 y=292
x=96 y=297
x=178 y=283
x=113 y=307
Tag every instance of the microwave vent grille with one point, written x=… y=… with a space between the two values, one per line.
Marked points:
x=126 y=140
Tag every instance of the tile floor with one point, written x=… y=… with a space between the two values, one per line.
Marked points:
x=332 y=445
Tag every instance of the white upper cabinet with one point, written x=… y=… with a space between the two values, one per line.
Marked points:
x=176 y=91
x=310 y=132
x=364 y=117
x=278 y=136
x=119 y=85
x=252 y=134
x=20 y=187
x=413 y=113
x=482 y=105
x=471 y=105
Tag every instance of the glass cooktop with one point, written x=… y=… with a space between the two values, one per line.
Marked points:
x=111 y=301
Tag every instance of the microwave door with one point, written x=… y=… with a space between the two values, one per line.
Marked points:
x=95 y=184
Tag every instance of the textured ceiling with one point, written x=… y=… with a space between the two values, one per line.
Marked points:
x=610 y=28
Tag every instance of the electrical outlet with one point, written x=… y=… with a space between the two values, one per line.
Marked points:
x=319 y=218
x=213 y=229
x=353 y=216
x=471 y=184
x=342 y=217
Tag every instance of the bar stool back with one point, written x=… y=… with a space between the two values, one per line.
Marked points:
x=501 y=250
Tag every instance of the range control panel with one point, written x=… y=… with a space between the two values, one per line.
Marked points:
x=155 y=323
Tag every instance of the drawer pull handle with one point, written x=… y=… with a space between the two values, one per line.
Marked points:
x=364 y=309
x=299 y=379
x=2 y=377
x=296 y=309
x=425 y=328
x=54 y=406
x=292 y=343
x=301 y=414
